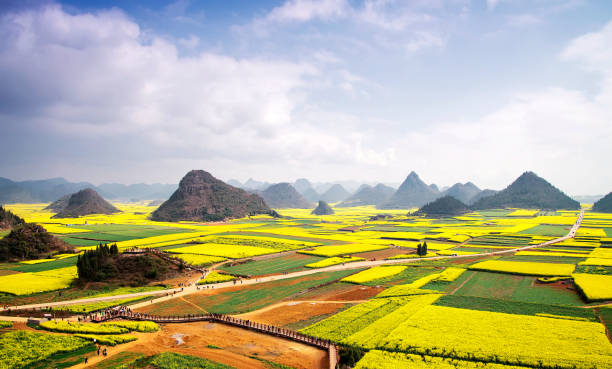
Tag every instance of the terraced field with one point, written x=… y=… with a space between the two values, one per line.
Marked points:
x=340 y=288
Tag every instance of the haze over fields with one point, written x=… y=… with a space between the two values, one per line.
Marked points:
x=329 y=90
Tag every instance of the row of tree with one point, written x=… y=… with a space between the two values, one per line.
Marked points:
x=422 y=249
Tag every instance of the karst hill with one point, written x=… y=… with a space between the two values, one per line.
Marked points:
x=204 y=198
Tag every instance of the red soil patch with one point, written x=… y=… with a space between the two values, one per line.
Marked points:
x=286 y=313
x=8 y=272
x=236 y=345
x=185 y=278
x=341 y=292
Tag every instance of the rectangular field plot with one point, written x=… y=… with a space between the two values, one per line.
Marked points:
x=343 y=249
x=547 y=230
x=223 y=250
x=115 y=233
x=243 y=299
x=29 y=283
x=374 y=274
x=503 y=338
x=516 y=307
x=594 y=287
x=526 y=268
x=550 y=259
x=515 y=288
x=272 y=265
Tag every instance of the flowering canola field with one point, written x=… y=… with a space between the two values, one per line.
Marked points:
x=484 y=335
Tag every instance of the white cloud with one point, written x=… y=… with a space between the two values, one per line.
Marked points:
x=306 y=10
x=94 y=77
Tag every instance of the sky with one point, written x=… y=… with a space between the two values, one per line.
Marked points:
x=456 y=90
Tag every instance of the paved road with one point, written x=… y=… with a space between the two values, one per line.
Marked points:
x=178 y=292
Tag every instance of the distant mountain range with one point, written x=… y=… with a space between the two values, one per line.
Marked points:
x=413 y=192
x=48 y=190
x=368 y=195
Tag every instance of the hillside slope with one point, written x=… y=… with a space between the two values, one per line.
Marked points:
x=30 y=241
x=335 y=193
x=528 y=192
x=446 y=206
x=86 y=202
x=284 y=196
x=463 y=192
x=604 y=205
x=413 y=192
x=204 y=198
x=368 y=195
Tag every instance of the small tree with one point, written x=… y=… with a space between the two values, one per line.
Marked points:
x=424 y=248
x=419 y=249
x=114 y=250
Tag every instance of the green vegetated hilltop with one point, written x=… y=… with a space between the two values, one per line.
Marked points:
x=106 y=264
x=27 y=241
x=531 y=192
x=84 y=202
x=446 y=206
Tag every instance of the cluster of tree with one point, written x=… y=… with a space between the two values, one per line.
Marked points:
x=422 y=249
x=30 y=241
x=97 y=265
x=106 y=264
x=9 y=220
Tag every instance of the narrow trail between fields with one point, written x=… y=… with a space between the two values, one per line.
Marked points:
x=179 y=292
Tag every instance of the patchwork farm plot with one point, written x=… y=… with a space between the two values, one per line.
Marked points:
x=351 y=278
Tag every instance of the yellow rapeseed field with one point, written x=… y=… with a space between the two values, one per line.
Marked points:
x=374 y=273
x=377 y=359
x=594 y=286
x=450 y=274
x=28 y=283
x=499 y=337
x=597 y=261
x=370 y=336
x=333 y=261
x=409 y=289
x=223 y=250
x=216 y=277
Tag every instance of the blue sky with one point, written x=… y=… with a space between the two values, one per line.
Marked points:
x=457 y=90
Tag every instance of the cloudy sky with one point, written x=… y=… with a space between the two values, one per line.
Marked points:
x=456 y=90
